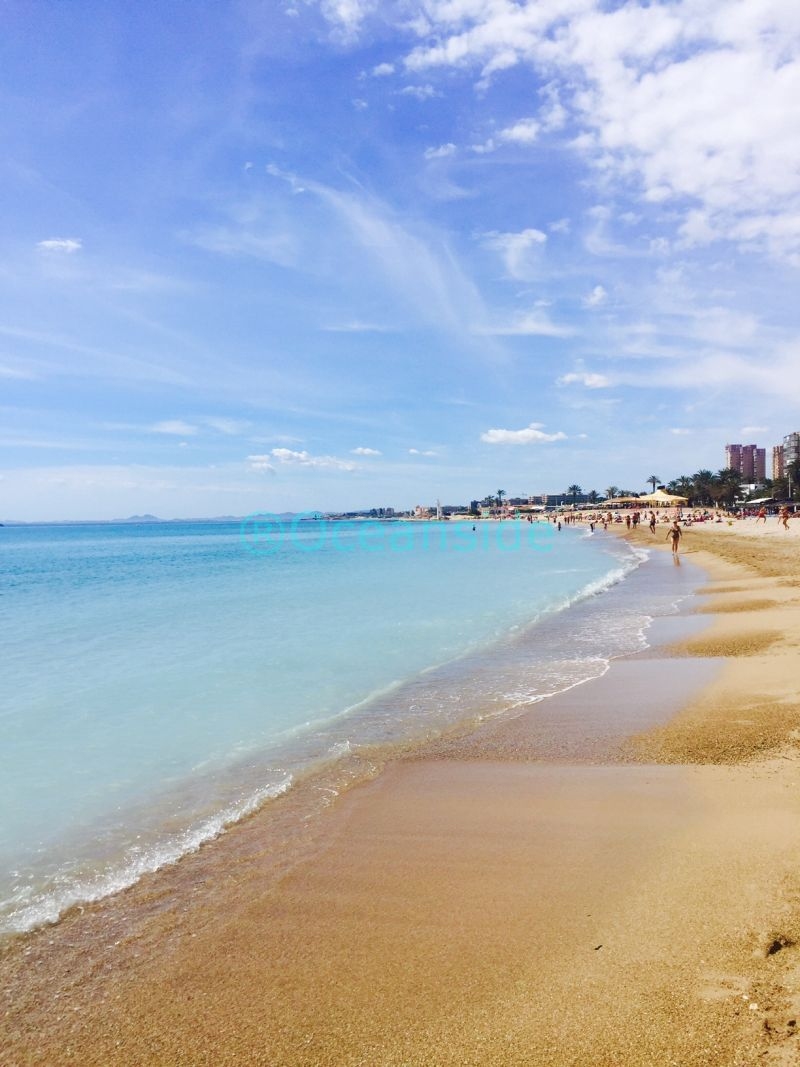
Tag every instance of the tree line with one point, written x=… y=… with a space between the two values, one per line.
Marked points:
x=705 y=488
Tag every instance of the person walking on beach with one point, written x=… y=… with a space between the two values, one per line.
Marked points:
x=783 y=517
x=674 y=533
x=762 y=514
x=652 y=522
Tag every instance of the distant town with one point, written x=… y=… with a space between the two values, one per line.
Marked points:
x=741 y=482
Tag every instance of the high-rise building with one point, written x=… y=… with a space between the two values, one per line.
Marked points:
x=777 y=462
x=754 y=463
x=733 y=457
x=791 y=449
x=749 y=460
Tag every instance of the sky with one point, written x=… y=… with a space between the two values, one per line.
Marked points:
x=334 y=254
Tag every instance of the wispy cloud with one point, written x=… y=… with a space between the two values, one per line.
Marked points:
x=422 y=270
x=420 y=92
x=254 y=241
x=289 y=458
x=361 y=451
x=261 y=463
x=751 y=431
x=227 y=426
x=99 y=362
x=356 y=326
x=530 y=324
x=521 y=252
x=591 y=381
x=173 y=427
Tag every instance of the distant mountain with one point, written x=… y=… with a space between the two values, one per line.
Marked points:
x=140 y=518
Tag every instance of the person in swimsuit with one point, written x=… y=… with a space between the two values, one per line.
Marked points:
x=674 y=534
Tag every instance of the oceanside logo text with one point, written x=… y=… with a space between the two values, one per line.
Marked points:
x=264 y=534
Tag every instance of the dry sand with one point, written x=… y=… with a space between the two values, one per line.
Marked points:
x=639 y=907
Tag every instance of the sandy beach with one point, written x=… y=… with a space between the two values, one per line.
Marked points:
x=545 y=891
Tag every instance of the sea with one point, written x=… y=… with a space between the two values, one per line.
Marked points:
x=161 y=681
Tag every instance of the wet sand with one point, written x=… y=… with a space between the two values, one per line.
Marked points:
x=552 y=890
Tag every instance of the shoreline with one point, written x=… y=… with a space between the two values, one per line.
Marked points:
x=446 y=912
x=480 y=683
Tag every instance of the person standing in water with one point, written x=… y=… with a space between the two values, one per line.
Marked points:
x=674 y=534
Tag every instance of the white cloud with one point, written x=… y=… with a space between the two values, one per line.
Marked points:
x=520 y=251
x=365 y=452
x=487 y=146
x=67 y=245
x=176 y=427
x=441 y=152
x=680 y=431
x=596 y=297
x=692 y=102
x=346 y=16
x=383 y=70
x=523 y=132
x=530 y=435
x=290 y=458
x=591 y=381
x=420 y=452
x=261 y=463
x=559 y=226
x=751 y=431
x=420 y=92
x=553 y=115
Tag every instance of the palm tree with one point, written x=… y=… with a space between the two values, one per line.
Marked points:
x=793 y=476
x=575 y=490
x=500 y=494
x=682 y=486
x=703 y=486
x=611 y=492
x=729 y=483
x=592 y=496
x=653 y=480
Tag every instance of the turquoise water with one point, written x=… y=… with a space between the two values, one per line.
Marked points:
x=159 y=681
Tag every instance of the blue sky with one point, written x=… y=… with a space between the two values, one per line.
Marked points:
x=343 y=253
